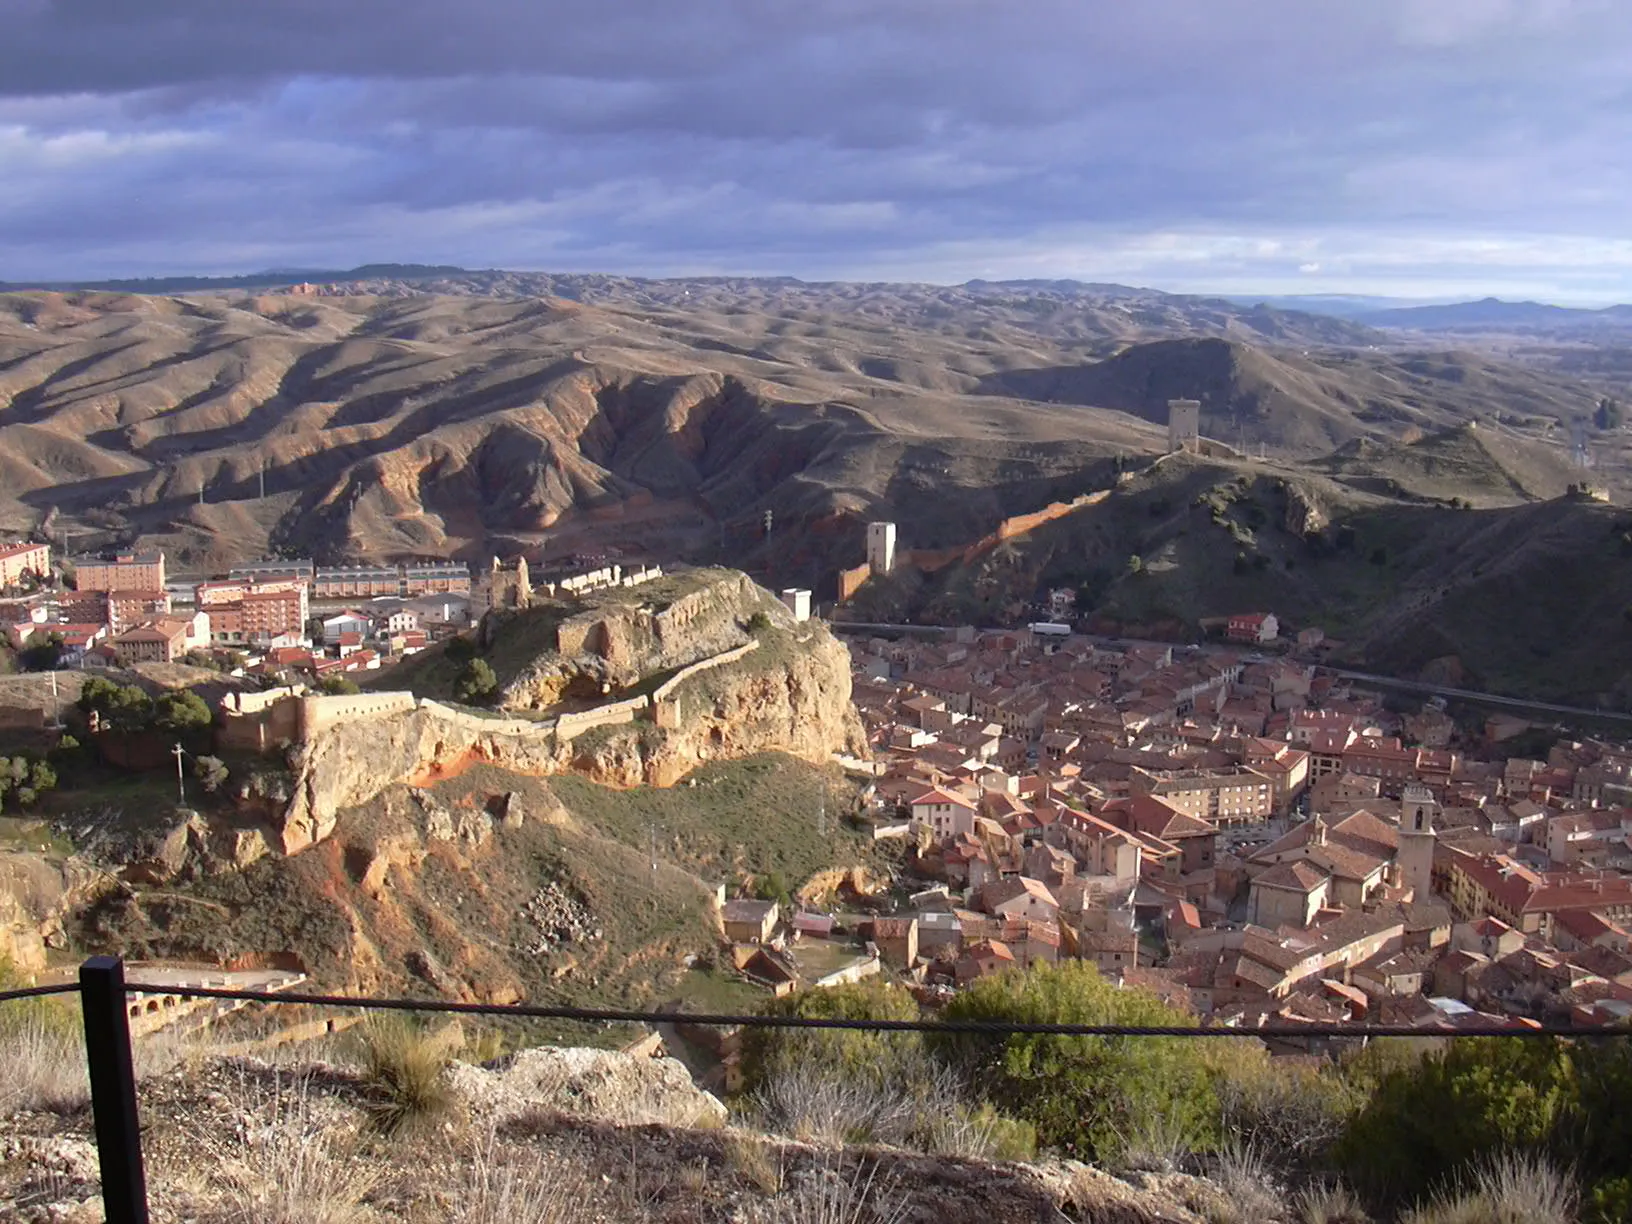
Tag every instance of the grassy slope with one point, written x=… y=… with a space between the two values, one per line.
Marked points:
x=464 y=906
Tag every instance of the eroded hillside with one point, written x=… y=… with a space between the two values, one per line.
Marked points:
x=655 y=416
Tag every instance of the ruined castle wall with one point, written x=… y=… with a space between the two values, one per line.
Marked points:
x=686 y=673
x=613 y=713
x=319 y=712
x=851 y=580
x=467 y=721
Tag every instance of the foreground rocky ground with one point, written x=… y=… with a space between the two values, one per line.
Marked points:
x=552 y=1136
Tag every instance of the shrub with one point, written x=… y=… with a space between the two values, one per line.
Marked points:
x=211 y=771
x=1291 y=1115
x=1428 y=1123
x=180 y=710
x=1086 y=1095
x=403 y=1085
x=476 y=682
x=758 y=623
x=852 y=1052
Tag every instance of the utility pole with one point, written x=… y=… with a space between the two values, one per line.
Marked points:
x=767 y=524
x=263 y=479
x=181 y=785
x=821 y=814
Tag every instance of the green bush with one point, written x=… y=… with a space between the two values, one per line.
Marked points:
x=766 y=1052
x=476 y=682
x=1429 y=1124
x=180 y=710
x=1089 y=1096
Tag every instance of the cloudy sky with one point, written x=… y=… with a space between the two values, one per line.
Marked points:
x=1406 y=147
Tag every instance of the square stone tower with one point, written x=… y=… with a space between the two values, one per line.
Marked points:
x=881 y=547
x=1183 y=425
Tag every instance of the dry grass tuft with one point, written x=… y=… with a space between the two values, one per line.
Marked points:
x=1246 y=1189
x=757 y=1162
x=1330 y=1203
x=830 y=1196
x=404 y=1087
x=44 y=1067
x=1514 y=1188
x=285 y=1167
x=496 y=1190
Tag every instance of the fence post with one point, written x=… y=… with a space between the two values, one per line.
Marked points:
x=113 y=1089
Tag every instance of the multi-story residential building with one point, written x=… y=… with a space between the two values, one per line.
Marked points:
x=1528 y=900
x=19 y=559
x=246 y=610
x=162 y=641
x=272 y=569
x=356 y=581
x=1224 y=797
x=1286 y=767
x=125 y=609
x=435 y=578
x=126 y=572
x=1253 y=627
x=1388 y=760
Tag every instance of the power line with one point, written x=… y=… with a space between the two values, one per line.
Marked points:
x=964 y=1027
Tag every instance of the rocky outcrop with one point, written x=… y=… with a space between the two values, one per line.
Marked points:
x=1305 y=515
x=604 y=1085
x=792 y=694
x=36 y=895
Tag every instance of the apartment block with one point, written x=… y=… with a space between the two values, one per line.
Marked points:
x=126 y=572
x=18 y=559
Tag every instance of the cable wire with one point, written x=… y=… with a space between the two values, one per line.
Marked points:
x=960 y=1027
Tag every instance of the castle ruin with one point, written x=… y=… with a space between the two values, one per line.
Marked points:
x=1183 y=425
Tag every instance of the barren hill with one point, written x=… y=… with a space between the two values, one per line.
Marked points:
x=656 y=416
x=1501 y=590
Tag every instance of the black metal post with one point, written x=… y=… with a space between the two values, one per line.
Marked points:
x=113 y=1089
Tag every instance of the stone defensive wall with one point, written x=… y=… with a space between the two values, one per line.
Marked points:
x=254 y=722
x=259 y=703
x=319 y=712
x=567 y=726
x=930 y=560
x=485 y=725
x=851 y=580
x=686 y=673
x=287 y=714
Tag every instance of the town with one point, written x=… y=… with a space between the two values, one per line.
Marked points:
x=1231 y=825
x=290 y=620
x=1242 y=833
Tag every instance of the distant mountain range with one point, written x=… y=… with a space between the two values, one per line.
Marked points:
x=1487 y=316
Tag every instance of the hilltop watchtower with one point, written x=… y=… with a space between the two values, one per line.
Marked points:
x=881 y=547
x=1183 y=425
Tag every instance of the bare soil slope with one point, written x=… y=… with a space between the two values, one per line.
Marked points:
x=385 y=421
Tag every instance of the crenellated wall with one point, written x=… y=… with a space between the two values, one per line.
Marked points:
x=319 y=712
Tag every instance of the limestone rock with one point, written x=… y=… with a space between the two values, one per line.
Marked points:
x=608 y=1086
x=792 y=696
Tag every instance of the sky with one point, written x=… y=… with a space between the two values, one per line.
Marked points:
x=1411 y=148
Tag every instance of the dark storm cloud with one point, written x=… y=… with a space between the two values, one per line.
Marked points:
x=1171 y=138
